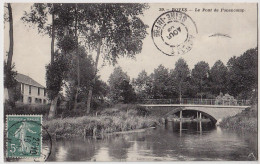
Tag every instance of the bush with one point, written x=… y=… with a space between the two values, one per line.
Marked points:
x=97 y=126
x=20 y=108
x=246 y=120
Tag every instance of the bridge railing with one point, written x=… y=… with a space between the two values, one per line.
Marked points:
x=188 y=101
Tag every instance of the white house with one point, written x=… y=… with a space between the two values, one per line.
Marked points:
x=32 y=92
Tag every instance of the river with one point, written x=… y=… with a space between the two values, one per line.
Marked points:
x=172 y=142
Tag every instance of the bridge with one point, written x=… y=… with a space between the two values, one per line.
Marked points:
x=213 y=109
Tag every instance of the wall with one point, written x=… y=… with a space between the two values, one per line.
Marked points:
x=33 y=95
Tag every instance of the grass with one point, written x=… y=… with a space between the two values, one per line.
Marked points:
x=118 y=119
x=245 y=121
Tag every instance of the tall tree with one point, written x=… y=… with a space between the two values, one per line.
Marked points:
x=55 y=75
x=86 y=68
x=113 y=30
x=242 y=73
x=9 y=73
x=143 y=85
x=161 y=82
x=218 y=78
x=38 y=15
x=181 y=75
x=120 y=88
x=199 y=77
x=56 y=29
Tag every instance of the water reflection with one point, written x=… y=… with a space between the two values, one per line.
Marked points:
x=174 y=142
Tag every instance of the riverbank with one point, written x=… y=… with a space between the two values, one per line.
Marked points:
x=245 y=121
x=118 y=119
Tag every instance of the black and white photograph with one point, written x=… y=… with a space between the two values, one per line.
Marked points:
x=129 y=82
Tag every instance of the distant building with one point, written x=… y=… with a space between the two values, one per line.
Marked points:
x=32 y=92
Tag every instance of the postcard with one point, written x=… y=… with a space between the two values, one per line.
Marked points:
x=137 y=82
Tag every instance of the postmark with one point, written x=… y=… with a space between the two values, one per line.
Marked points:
x=25 y=138
x=173 y=33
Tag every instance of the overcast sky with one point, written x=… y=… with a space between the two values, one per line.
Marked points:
x=32 y=50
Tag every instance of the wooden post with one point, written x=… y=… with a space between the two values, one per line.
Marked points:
x=200 y=128
x=200 y=116
x=197 y=115
x=180 y=128
x=181 y=115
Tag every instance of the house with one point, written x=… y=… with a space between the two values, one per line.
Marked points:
x=31 y=91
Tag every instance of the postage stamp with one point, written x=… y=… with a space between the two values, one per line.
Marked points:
x=173 y=33
x=24 y=136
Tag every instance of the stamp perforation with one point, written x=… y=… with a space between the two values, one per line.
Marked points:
x=6 y=131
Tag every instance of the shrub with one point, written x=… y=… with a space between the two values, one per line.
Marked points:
x=20 y=108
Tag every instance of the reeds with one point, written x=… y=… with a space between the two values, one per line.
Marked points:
x=108 y=121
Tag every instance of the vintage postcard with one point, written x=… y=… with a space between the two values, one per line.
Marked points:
x=137 y=82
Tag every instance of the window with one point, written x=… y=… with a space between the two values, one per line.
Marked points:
x=39 y=91
x=44 y=90
x=22 y=88
x=29 y=100
x=36 y=100
x=22 y=98
x=40 y=101
x=44 y=101
x=30 y=89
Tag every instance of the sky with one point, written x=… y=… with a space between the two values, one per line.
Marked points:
x=32 y=50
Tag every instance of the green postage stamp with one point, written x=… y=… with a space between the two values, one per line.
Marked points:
x=24 y=136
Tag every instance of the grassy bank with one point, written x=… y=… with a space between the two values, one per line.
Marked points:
x=245 y=121
x=120 y=118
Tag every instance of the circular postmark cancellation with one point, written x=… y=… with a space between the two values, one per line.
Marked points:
x=173 y=33
x=26 y=139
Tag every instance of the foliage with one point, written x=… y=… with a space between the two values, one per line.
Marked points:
x=243 y=74
x=160 y=82
x=108 y=121
x=55 y=74
x=143 y=85
x=120 y=88
x=116 y=26
x=21 y=108
x=9 y=76
x=114 y=29
x=218 y=78
x=39 y=14
x=199 y=78
x=181 y=76
x=86 y=74
x=245 y=121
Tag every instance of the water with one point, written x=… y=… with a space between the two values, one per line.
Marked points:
x=195 y=141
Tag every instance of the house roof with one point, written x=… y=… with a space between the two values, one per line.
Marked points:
x=27 y=80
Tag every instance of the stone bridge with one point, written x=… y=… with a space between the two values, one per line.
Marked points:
x=214 y=112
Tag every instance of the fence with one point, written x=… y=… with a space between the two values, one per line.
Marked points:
x=188 y=101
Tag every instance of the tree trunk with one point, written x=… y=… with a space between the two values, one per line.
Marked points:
x=53 y=107
x=180 y=94
x=10 y=91
x=52 y=37
x=78 y=59
x=94 y=79
x=11 y=45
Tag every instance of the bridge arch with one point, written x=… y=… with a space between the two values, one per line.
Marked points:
x=212 y=118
